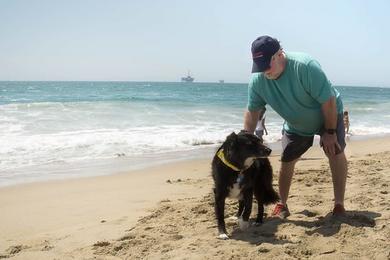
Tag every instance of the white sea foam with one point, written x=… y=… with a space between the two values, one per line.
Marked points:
x=71 y=146
x=56 y=130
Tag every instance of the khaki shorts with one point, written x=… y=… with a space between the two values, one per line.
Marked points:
x=294 y=146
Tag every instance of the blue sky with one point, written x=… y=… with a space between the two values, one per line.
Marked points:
x=160 y=40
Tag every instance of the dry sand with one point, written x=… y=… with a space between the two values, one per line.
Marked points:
x=167 y=212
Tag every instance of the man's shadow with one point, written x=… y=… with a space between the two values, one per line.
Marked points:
x=326 y=226
x=330 y=225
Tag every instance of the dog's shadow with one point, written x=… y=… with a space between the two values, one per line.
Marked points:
x=325 y=226
x=264 y=233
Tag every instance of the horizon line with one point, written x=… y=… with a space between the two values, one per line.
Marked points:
x=201 y=82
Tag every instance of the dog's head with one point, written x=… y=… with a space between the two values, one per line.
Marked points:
x=243 y=149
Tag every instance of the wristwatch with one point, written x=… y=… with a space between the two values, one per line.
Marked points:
x=331 y=131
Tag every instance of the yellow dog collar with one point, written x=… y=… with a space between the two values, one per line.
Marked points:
x=221 y=156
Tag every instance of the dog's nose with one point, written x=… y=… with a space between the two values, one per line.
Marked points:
x=268 y=151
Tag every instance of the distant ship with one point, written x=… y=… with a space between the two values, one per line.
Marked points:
x=221 y=81
x=188 y=78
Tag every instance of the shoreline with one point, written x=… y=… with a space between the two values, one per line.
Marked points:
x=122 y=165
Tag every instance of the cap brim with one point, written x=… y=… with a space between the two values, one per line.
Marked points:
x=260 y=66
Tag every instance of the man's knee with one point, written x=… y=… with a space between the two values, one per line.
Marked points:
x=288 y=166
x=336 y=157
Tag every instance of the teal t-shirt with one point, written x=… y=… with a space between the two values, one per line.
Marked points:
x=297 y=95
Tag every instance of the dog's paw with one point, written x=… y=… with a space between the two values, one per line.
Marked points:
x=244 y=225
x=257 y=224
x=223 y=236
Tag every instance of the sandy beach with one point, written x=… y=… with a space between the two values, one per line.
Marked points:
x=166 y=212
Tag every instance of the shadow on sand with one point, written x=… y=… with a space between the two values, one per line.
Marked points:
x=330 y=225
x=264 y=233
x=325 y=226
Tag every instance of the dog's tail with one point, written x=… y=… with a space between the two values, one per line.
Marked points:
x=270 y=197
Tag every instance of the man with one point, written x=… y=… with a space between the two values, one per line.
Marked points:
x=346 y=122
x=295 y=86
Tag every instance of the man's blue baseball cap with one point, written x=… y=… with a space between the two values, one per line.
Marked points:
x=263 y=48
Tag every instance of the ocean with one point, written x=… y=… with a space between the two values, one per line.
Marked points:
x=57 y=130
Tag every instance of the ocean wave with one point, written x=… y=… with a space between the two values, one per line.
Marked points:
x=20 y=148
x=202 y=142
x=59 y=123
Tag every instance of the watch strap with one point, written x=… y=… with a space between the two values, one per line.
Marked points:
x=331 y=131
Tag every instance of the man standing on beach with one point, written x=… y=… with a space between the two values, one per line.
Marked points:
x=295 y=86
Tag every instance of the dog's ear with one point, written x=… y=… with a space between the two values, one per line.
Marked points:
x=232 y=137
x=231 y=141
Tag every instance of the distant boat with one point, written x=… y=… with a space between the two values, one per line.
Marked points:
x=221 y=81
x=188 y=78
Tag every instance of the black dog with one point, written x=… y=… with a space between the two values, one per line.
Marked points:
x=240 y=168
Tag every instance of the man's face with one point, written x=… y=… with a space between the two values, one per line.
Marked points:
x=276 y=66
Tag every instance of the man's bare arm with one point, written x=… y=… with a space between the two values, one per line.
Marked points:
x=250 y=120
x=329 y=142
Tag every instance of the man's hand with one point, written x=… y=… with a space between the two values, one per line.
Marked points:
x=250 y=120
x=330 y=144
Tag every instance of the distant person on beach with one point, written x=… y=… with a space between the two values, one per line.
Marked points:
x=346 y=122
x=295 y=86
x=260 y=128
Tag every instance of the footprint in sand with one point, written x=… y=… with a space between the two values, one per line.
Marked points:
x=13 y=250
x=101 y=244
x=308 y=213
x=46 y=246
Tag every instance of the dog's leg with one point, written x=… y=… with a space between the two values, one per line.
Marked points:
x=240 y=208
x=220 y=213
x=260 y=214
x=248 y=198
x=260 y=207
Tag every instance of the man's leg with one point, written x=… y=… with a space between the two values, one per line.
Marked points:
x=293 y=147
x=285 y=176
x=338 y=166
